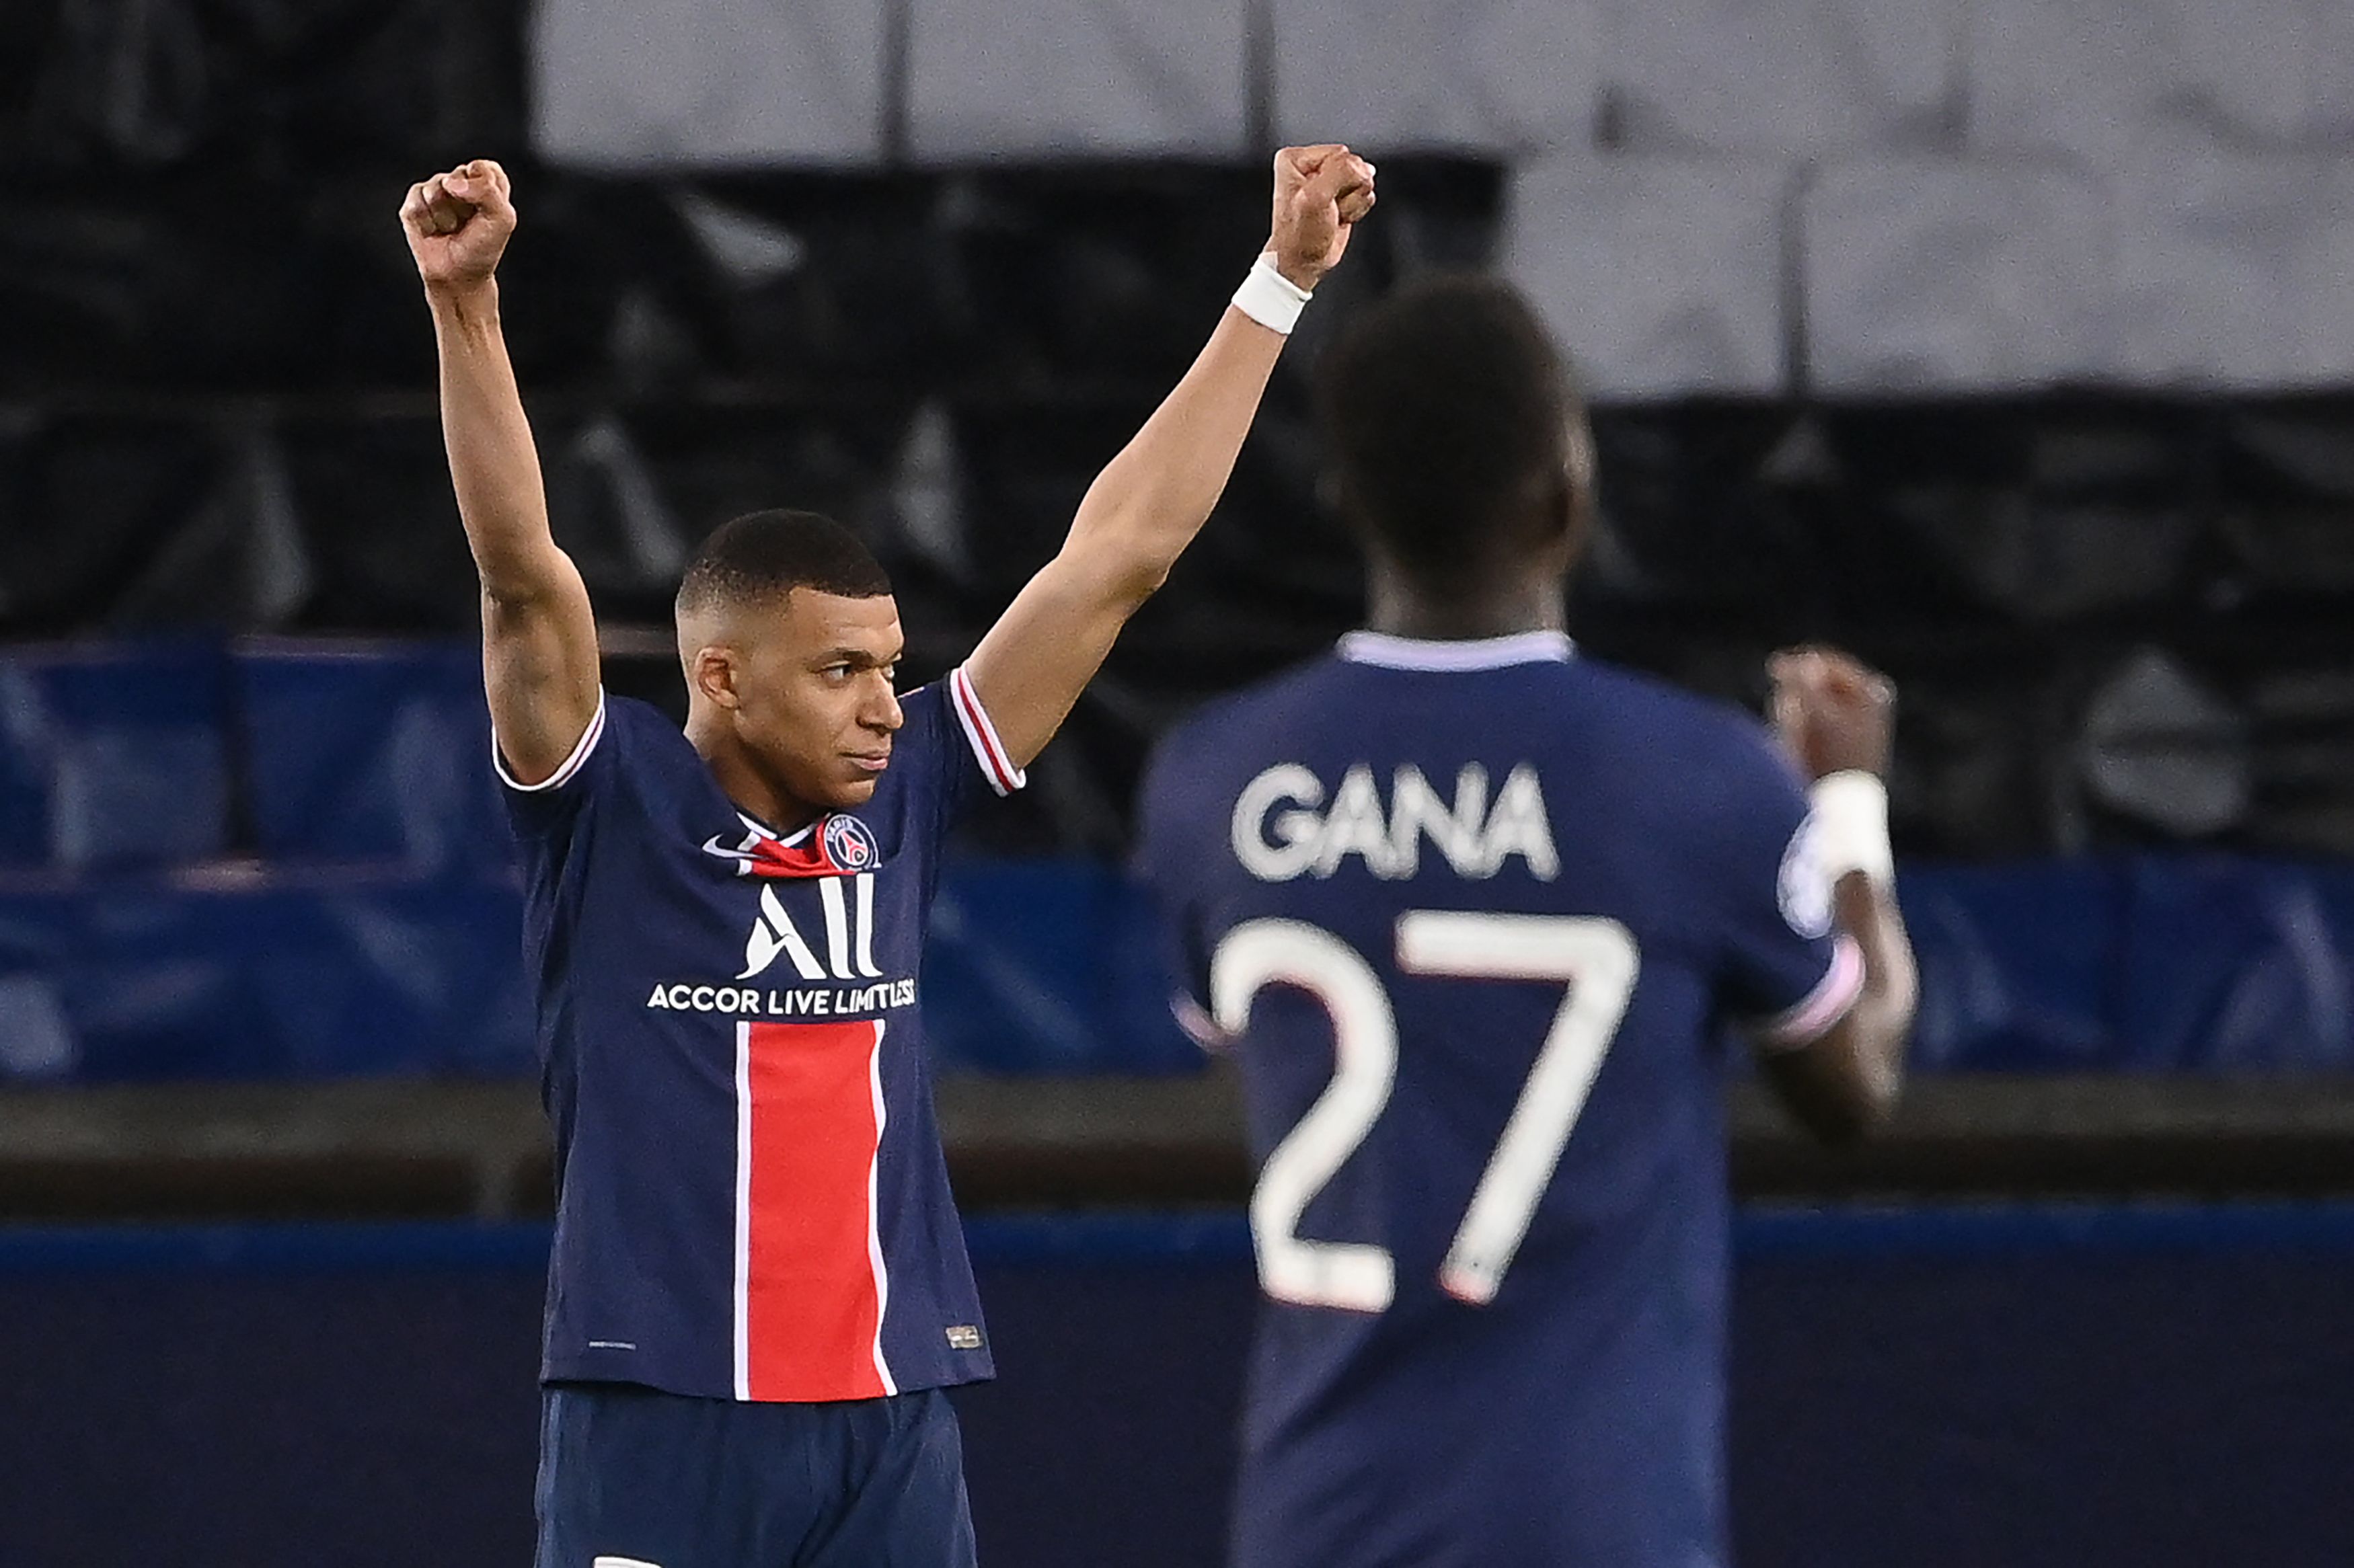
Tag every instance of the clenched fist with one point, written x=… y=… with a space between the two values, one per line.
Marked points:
x=1834 y=713
x=459 y=223
x=1320 y=193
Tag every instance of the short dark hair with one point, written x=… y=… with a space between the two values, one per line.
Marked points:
x=766 y=555
x=1448 y=417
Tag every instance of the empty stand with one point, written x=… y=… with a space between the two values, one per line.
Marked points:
x=2105 y=80
x=997 y=81
x=1661 y=275
x=2236 y=271
x=1498 y=78
x=114 y=756
x=370 y=754
x=1950 y=275
x=1797 y=77
x=709 y=83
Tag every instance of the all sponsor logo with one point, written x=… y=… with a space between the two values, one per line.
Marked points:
x=811 y=942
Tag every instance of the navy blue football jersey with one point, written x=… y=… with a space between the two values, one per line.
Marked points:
x=751 y=1200
x=1474 y=915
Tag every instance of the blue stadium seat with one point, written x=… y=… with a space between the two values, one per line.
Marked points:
x=2177 y=963
x=1029 y=80
x=371 y=753
x=2236 y=965
x=113 y=756
x=286 y=977
x=2017 y=964
x=2151 y=964
x=1048 y=965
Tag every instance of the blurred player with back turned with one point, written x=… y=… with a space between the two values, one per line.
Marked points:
x=1475 y=910
x=758 y=1289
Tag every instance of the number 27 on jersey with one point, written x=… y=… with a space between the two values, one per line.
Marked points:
x=1595 y=959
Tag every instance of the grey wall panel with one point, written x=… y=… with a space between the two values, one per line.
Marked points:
x=2237 y=272
x=2330 y=84
x=1791 y=77
x=1925 y=275
x=993 y=81
x=1661 y=275
x=2107 y=78
x=1500 y=77
x=708 y=83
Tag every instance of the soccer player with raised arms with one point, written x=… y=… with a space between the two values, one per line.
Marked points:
x=758 y=1288
x=1474 y=910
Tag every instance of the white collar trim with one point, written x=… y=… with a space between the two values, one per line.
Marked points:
x=788 y=840
x=1392 y=652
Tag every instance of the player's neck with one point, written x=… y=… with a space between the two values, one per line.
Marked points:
x=744 y=782
x=1497 y=609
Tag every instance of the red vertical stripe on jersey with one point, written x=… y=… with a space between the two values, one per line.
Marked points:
x=810 y=1272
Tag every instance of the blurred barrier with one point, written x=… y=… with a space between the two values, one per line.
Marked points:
x=371 y=754
x=114 y=756
x=2150 y=963
x=1049 y=965
x=1941 y=1388
x=2224 y=967
x=289 y=860
x=291 y=976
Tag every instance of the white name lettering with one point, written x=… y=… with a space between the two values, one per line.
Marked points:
x=1282 y=828
x=798 y=1001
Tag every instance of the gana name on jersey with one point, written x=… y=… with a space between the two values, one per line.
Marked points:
x=1283 y=828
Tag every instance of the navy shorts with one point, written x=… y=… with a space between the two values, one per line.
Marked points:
x=632 y=1477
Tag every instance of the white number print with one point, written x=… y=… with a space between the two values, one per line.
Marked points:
x=1364 y=1054
x=1594 y=958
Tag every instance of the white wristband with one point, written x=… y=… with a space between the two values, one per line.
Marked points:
x=1851 y=826
x=1270 y=298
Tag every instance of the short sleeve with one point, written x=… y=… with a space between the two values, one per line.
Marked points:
x=951 y=742
x=1788 y=974
x=549 y=808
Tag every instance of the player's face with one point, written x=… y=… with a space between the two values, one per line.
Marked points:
x=817 y=704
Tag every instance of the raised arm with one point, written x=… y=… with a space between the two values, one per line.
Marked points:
x=1147 y=505
x=1836 y=718
x=539 y=637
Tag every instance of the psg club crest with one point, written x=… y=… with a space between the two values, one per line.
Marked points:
x=850 y=844
x=841 y=846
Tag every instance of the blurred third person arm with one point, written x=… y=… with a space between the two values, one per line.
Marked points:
x=539 y=635
x=1836 y=719
x=1152 y=499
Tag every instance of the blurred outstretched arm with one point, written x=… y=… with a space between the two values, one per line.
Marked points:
x=1837 y=717
x=539 y=635
x=1149 y=502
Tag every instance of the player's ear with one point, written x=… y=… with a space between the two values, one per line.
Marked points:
x=1569 y=507
x=1578 y=505
x=713 y=673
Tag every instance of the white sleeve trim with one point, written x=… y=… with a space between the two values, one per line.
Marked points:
x=995 y=765
x=1199 y=1026
x=572 y=764
x=1832 y=999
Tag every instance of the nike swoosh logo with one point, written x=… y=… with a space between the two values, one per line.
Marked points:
x=713 y=846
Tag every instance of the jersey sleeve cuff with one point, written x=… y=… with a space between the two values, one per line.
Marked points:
x=1199 y=1026
x=995 y=765
x=1821 y=1010
x=572 y=764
